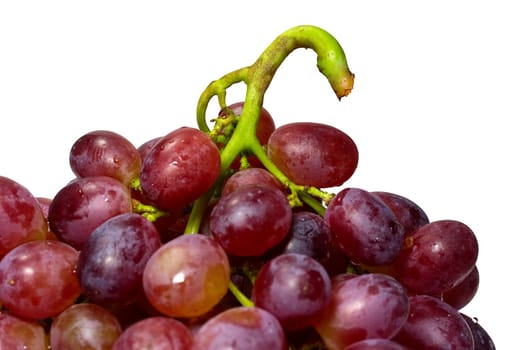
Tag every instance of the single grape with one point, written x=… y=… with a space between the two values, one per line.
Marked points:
x=105 y=153
x=38 y=279
x=461 y=294
x=366 y=229
x=187 y=276
x=313 y=154
x=363 y=307
x=250 y=176
x=433 y=324
x=437 y=257
x=147 y=146
x=241 y=328
x=295 y=288
x=112 y=261
x=21 y=216
x=481 y=337
x=19 y=333
x=85 y=203
x=250 y=220
x=376 y=344
x=84 y=326
x=157 y=332
x=179 y=168
x=409 y=214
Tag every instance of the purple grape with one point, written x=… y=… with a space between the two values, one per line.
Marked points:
x=433 y=324
x=366 y=229
x=481 y=337
x=295 y=288
x=376 y=344
x=112 y=261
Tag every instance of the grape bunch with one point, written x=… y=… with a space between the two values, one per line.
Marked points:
x=226 y=238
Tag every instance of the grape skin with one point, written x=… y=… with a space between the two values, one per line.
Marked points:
x=21 y=217
x=250 y=220
x=313 y=154
x=187 y=276
x=19 y=333
x=295 y=288
x=365 y=228
x=241 y=328
x=112 y=261
x=38 y=279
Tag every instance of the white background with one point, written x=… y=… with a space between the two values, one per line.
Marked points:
x=435 y=109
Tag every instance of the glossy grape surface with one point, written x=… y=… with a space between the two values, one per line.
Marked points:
x=19 y=333
x=363 y=307
x=313 y=154
x=85 y=203
x=366 y=229
x=241 y=328
x=105 y=153
x=112 y=261
x=250 y=176
x=157 y=332
x=433 y=324
x=187 y=276
x=38 y=279
x=437 y=257
x=179 y=168
x=21 y=217
x=250 y=220
x=84 y=326
x=295 y=288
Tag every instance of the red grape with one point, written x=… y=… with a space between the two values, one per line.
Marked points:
x=19 y=333
x=112 y=261
x=241 y=328
x=363 y=307
x=295 y=288
x=461 y=294
x=21 y=216
x=437 y=257
x=313 y=154
x=179 y=168
x=376 y=344
x=481 y=338
x=84 y=326
x=433 y=324
x=38 y=279
x=366 y=229
x=105 y=153
x=187 y=276
x=250 y=176
x=157 y=332
x=83 y=204
x=250 y=220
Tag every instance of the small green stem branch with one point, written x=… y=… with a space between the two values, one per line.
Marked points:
x=331 y=62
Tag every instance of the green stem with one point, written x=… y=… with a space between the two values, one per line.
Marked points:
x=331 y=62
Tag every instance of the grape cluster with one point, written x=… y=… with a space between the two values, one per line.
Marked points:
x=225 y=238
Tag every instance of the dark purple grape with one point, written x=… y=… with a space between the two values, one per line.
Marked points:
x=363 y=307
x=241 y=328
x=409 y=214
x=481 y=337
x=179 y=168
x=85 y=203
x=433 y=324
x=437 y=257
x=250 y=220
x=112 y=261
x=105 y=153
x=461 y=294
x=295 y=288
x=313 y=154
x=21 y=216
x=157 y=332
x=366 y=229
